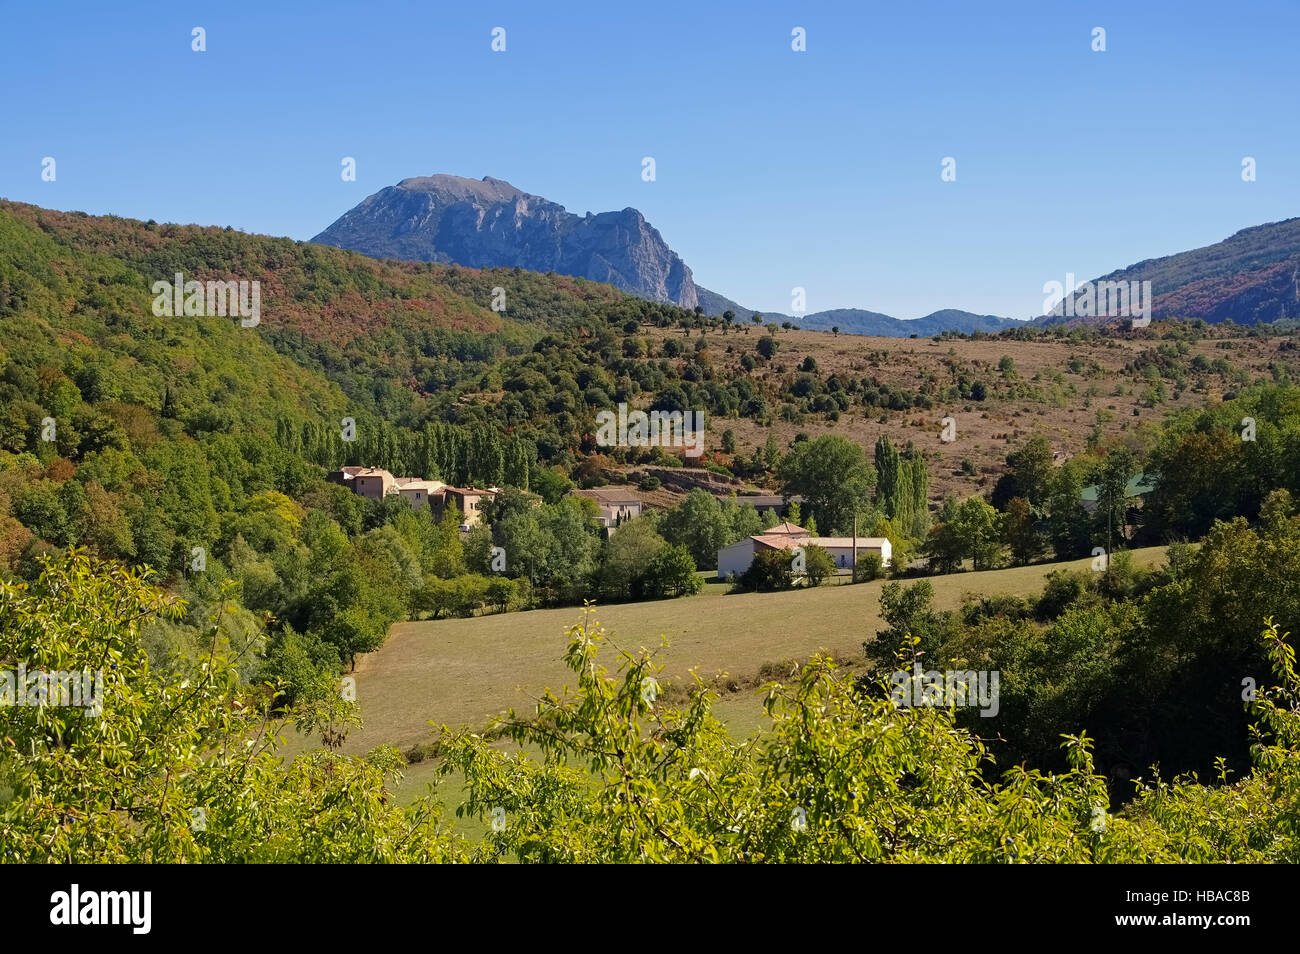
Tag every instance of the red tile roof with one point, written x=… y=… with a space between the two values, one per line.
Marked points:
x=784 y=528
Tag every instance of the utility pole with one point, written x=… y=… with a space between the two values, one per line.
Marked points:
x=1109 y=485
x=854 y=571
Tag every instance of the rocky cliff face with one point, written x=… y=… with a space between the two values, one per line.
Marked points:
x=490 y=223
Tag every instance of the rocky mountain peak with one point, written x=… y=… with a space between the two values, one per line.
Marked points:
x=486 y=223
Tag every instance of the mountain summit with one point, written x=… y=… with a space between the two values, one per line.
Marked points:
x=488 y=223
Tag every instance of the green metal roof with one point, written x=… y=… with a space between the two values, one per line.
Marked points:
x=1139 y=486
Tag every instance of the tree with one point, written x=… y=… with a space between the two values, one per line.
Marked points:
x=300 y=663
x=628 y=556
x=944 y=547
x=1112 y=495
x=463 y=595
x=770 y=570
x=832 y=474
x=528 y=548
x=574 y=547
x=551 y=484
x=971 y=528
x=724 y=807
x=901 y=547
x=1028 y=475
x=870 y=567
x=268 y=520
x=742 y=520
x=41 y=510
x=907 y=613
x=154 y=543
x=771 y=452
x=698 y=524
x=1069 y=525
x=671 y=573
x=476 y=550
x=124 y=784
x=1019 y=532
x=353 y=632
x=502 y=592
x=1192 y=470
x=104 y=525
x=819 y=565
x=442 y=552
x=980 y=526
x=888 y=464
x=914 y=495
x=179 y=477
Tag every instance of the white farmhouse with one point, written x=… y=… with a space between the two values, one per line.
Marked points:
x=786 y=536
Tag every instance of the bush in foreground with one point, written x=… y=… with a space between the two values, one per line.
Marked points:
x=182 y=767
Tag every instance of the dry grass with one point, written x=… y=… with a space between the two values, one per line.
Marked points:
x=464 y=671
x=1044 y=397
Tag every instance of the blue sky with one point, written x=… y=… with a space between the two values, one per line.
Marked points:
x=775 y=169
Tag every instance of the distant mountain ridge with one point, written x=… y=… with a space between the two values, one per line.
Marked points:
x=1251 y=277
x=858 y=321
x=855 y=321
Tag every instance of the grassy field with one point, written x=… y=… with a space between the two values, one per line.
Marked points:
x=742 y=713
x=464 y=671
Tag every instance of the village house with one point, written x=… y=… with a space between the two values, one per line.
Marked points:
x=469 y=501
x=419 y=493
x=786 y=536
x=617 y=504
x=344 y=475
x=375 y=483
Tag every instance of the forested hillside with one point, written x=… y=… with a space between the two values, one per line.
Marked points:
x=200 y=447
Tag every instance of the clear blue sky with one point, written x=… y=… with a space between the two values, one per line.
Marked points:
x=775 y=169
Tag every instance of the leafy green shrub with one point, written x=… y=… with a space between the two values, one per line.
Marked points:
x=770 y=570
x=871 y=566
